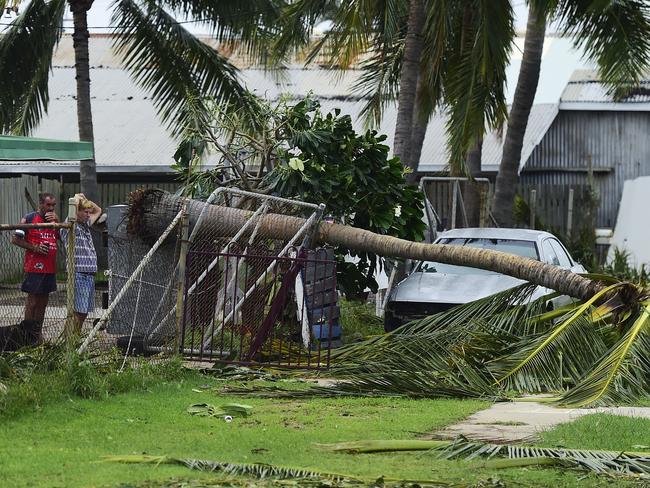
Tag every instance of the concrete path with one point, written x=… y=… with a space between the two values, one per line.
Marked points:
x=507 y=422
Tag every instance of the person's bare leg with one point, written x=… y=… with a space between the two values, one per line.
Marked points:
x=80 y=321
x=42 y=299
x=30 y=304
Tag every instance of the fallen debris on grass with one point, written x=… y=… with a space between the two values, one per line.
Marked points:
x=225 y=410
x=626 y=463
x=269 y=471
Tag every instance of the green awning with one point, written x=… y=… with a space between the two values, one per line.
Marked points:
x=14 y=148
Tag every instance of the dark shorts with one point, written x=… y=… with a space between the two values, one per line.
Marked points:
x=39 y=283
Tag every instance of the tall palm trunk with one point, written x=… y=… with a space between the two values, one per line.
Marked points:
x=418 y=133
x=408 y=85
x=152 y=211
x=508 y=175
x=87 y=167
x=472 y=195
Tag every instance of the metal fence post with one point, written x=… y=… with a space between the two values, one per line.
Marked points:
x=454 y=202
x=533 y=209
x=569 y=220
x=182 y=260
x=71 y=320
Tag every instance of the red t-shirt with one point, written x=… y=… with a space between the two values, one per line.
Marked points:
x=35 y=262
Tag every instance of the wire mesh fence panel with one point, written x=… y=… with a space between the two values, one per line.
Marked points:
x=168 y=267
x=260 y=308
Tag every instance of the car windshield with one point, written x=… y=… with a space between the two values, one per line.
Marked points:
x=526 y=249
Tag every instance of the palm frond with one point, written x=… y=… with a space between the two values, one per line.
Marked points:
x=26 y=50
x=537 y=359
x=249 y=24
x=379 y=81
x=296 y=25
x=601 y=462
x=257 y=470
x=614 y=34
x=179 y=70
x=623 y=373
x=475 y=78
x=358 y=27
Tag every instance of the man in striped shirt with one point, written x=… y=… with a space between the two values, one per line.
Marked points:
x=85 y=258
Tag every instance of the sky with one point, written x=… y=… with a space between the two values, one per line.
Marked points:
x=100 y=14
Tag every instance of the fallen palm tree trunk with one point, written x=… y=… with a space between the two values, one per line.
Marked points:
x=151 y=212
x=594 y=352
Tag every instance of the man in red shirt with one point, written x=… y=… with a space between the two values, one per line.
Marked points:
x=40 y=260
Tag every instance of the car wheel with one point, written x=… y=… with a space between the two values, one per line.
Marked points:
x=390 y=322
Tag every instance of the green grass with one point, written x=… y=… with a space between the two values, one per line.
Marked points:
x=62 y=442
x=601 y=431
x=358 y=320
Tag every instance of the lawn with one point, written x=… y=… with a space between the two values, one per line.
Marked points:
x=61 y=444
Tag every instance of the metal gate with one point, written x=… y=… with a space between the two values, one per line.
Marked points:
x=254 y=307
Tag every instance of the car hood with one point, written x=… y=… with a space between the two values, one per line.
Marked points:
x=451 y=288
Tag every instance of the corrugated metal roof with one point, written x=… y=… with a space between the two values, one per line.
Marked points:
x=129 y=135
x=585 y=92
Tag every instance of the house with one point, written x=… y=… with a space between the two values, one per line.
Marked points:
x=572 y=122
x=594 y=140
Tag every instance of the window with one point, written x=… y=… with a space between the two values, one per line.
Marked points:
x=550 y=256
x=526 y=249
x=565 y=260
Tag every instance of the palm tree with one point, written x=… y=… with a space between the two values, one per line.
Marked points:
x=428 y=54
x=616 y=35
x=179 y=70
x=595 y=350
x=153 y=210
x=408 y=83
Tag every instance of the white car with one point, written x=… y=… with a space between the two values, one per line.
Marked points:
x=435 y=287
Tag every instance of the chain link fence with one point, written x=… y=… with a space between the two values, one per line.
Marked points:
x=191 y=276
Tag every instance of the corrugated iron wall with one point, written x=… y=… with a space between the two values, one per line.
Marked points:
x=115 y=193
x=614 y=144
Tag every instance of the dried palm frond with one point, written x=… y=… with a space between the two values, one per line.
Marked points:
x=257 y=470
x=269 y=471
x=601 y=462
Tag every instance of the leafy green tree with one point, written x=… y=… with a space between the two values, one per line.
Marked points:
x=295 y=151
x=160 y=53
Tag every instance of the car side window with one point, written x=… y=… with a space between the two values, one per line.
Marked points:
x=562 y=255
x=550 y=257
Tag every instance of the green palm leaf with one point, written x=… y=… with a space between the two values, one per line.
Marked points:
x=257 y=470
x=379 y=81
x=601 y=462
x=614 y=34
x=537 y=358
x=296 y=24
x=623 y=373
x=475 y=78
x=179 y=70
x=26 y=50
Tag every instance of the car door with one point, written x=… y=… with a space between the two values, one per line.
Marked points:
x=553 y=253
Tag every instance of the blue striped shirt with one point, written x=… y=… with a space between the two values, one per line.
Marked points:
x=85 y=257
